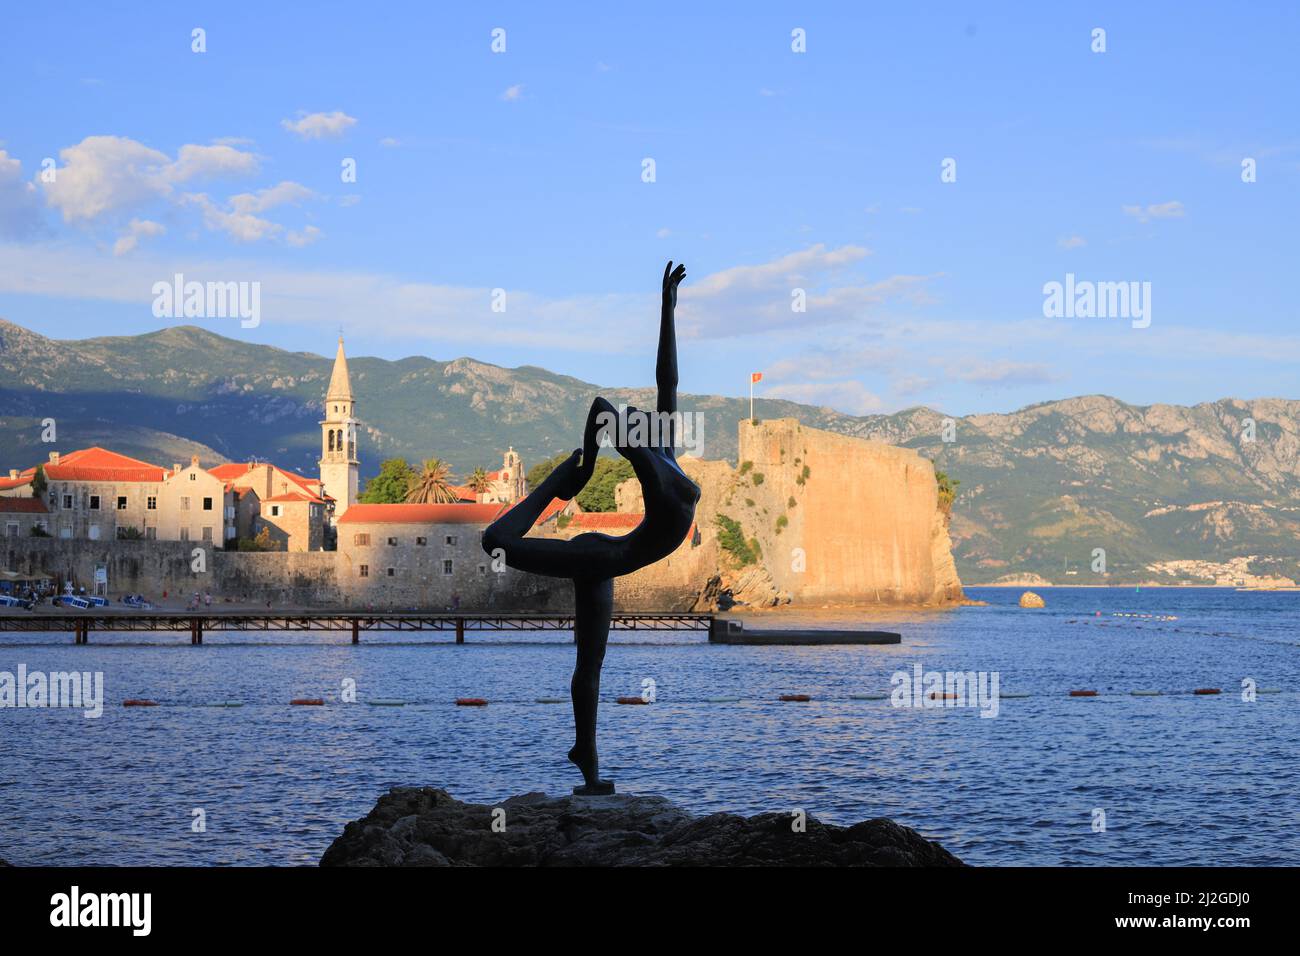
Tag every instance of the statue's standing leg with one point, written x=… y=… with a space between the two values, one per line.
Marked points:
x=593 y=605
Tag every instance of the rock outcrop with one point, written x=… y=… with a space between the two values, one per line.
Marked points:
x=820 y=519
x=412 y=826
x=1030 y=599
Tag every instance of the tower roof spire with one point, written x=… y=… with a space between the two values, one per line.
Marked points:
x=340 y=384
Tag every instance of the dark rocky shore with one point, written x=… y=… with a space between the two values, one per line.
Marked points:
x=412 y=826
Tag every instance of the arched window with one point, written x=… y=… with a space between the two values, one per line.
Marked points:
x=331 y=439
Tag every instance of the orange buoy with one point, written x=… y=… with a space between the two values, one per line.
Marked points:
x=139 y=702
x=1207 y=690
x=946 y=695
x=801 y=698
x=307 y=702
x=1083 y=693
x=470 y=702
x=633 y=700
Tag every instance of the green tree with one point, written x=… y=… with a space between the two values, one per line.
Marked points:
x=731 y=537
x=39 y=484
x=478 y=481
x=537 y=474
x=433 y=485
x=608 y=475
x=947 y=490
x=390 y=486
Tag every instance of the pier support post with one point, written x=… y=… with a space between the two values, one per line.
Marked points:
x=460 y=630
x=196 y=630
x=356 y=631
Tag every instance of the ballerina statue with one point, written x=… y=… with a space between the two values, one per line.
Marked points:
x=593 y=560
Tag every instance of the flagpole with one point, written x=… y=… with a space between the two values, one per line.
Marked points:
x=751 y=398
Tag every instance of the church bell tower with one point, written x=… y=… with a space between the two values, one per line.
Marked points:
x=338 y=449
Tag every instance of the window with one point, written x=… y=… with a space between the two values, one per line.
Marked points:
x=193 y=476
x=390 y=572
x=121 y=502
x=482 y=569
x=151 y=503
x=361 y=541
x=451 y=540
x=421 y=542
x=67 y=501
x=207 y=504
x=207 y=534
x=185 y=534
x=93 y=532
x=392 y=542
x=446 y=566
x=94 y=502
x=11 y=529
x=275 y=511
x=185 y=503
x=365 y=570
x=65 y=532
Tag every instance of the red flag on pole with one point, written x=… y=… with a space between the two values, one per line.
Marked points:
x=755 y=377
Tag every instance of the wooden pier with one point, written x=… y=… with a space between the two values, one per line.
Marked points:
x=81 y=624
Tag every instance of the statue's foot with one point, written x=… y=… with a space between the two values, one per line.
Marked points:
x=587 y=761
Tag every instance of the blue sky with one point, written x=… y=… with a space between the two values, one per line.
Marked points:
x=774 y=171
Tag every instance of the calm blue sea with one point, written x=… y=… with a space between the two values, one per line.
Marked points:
x=1181 y=779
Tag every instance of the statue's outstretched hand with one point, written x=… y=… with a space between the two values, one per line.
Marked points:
x=567 y=478
x=672 y=279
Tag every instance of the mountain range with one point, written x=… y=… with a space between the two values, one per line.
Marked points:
x=1169 y=493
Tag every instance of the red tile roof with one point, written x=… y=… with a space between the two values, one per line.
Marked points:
x=604 y=520
x=421 y=514
x=550 y=511
x=237 y=469
x=100 y=464
x=463 y=492
x=23 y=479
x=296 y=496
x=23 y=506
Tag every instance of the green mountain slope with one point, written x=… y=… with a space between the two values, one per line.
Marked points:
x=1041 y=488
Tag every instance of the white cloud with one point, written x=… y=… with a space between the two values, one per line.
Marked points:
x=756 y=298
x=196 y=162
x=306 y=237
x=513 y=93
x=849 y=396
x=136 y=230
x=19 y=209
x=108 y=174
x=1000 y=372
x=663 y=233
x=103 y=174
x=390 y=142
x=241 y=220
x=320 y=125
x=1165 y=210
x=1072 y=242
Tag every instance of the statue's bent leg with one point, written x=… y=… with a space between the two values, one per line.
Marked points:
x=593 y=605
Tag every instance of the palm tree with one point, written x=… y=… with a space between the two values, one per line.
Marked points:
x=478 y=481
x=432 y=485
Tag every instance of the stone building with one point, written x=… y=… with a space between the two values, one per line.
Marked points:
x=291 y=508
x=400 y=552
x=339 y=464
x=97 y=494
x=17 y=484
x=19 y=515
x=508 y=481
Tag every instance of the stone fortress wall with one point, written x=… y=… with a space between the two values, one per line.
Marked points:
x=837 y=520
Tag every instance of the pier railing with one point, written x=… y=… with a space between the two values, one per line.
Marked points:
x=82 y=624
